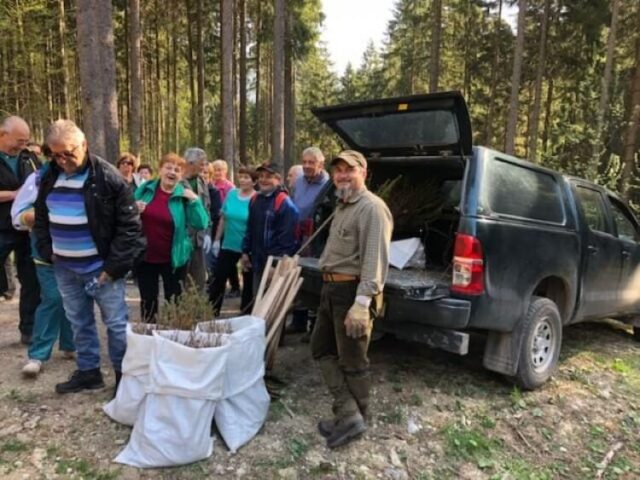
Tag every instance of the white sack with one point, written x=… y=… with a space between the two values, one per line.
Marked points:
x=244 y=406
x=240 y=418
x=135 y=376
x=174 y=424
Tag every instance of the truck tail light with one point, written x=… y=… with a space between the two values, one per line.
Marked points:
x=468 y=266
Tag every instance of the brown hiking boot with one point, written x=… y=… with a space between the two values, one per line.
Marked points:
x=346 y=430
x=326 y=426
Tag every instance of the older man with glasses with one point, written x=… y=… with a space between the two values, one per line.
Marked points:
x=16 y=164
x=88 y=226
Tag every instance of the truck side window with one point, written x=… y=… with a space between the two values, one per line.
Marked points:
x=593 y=209
x=625 y=226
x=523 y=192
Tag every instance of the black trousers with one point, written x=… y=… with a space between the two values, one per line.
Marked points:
x=226 y=266
x=19 y=243
x=148 y=275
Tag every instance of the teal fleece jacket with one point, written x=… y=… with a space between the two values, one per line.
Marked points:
x=185 y=213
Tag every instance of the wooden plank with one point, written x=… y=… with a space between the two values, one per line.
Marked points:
x=263 y=280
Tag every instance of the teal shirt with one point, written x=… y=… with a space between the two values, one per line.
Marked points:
x=11 y=161
x=236 y=215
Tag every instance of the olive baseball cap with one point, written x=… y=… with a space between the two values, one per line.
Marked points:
x=351 y=158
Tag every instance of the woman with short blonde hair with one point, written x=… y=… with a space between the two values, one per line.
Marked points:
x=218 y=175
x=167 y=208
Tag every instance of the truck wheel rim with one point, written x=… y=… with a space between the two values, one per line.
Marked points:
x=542 y=348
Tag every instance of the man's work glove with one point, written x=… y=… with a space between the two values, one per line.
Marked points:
x=215 y=248
x=357 y=321
x=206 y=244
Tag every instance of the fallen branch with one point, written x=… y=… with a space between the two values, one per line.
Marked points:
x=287 y=409
x=523 y=438
x=607 y=459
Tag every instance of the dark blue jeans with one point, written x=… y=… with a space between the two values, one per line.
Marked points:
x=78 y=296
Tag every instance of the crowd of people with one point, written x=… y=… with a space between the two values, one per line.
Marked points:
x=79 y=227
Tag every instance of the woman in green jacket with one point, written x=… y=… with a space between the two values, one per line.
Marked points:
x=167 y=208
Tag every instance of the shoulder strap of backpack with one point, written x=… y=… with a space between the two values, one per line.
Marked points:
x=280 y=199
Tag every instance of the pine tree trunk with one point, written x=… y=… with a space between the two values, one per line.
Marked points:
x=200 y=62
x=109 y=85
x=90 y=77
x=174 y=78
x=64 y=89
x=228 y=121
x=633 y=120
x=488 y=132
x=256 y=113
x=605 y=89
x=193 y=134
x=436 y=34
x=512 y=119
x=289 y=106
x=547 y=116
x=242 y=121
x=277 y=140
x=135 y=78
x=537 y=95
x=159 y=98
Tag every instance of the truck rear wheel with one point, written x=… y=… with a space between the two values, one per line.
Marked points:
x=540 y=348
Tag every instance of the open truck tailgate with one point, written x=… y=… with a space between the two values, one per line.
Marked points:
x=420 y=285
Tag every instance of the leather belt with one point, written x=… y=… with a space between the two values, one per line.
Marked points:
x=339 y=277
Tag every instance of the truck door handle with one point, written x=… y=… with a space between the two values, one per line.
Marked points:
x=592 y=250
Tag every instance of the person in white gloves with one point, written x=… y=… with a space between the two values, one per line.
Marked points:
x=232 y=227
x=194 y=170
x=354 y=266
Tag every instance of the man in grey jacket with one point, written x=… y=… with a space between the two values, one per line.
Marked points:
x=196 y=163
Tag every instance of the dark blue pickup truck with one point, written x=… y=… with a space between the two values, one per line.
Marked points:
x=516 y=250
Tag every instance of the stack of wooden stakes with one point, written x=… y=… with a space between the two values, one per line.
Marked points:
x=278 y=288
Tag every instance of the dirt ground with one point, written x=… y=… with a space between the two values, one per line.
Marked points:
x=435 y=416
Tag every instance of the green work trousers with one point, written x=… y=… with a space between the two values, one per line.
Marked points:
x=343 y=360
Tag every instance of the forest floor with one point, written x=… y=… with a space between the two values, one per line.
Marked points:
x=435 y=415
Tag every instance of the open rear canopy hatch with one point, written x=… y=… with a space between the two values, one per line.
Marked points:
x=435 y=124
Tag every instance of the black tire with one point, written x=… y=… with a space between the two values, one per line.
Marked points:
x=541 y=342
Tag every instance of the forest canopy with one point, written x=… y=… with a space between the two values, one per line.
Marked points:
x=239 y=77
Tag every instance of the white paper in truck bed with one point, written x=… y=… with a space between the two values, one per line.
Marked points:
x=401 y=251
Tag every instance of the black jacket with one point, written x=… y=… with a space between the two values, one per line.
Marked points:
x=27 y=163
x=113 y=217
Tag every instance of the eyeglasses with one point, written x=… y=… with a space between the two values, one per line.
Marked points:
x=126 y=162
x=66 y=156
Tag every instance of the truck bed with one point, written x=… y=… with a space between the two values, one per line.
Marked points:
x=414 y=284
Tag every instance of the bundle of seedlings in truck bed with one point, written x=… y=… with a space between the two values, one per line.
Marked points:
x=412 y=203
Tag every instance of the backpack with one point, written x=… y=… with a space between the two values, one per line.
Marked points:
x=280 y=198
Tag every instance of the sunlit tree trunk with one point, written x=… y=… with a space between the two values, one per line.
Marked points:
x=227 y=82
x=135 y=78
x=512 y=118
x=277 y=140
x=537 y=93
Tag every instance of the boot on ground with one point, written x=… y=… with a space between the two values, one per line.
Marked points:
x=82 y=380
x=326 y=427
x=346 y=430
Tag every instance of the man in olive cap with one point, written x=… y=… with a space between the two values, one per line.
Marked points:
x=354 y=266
